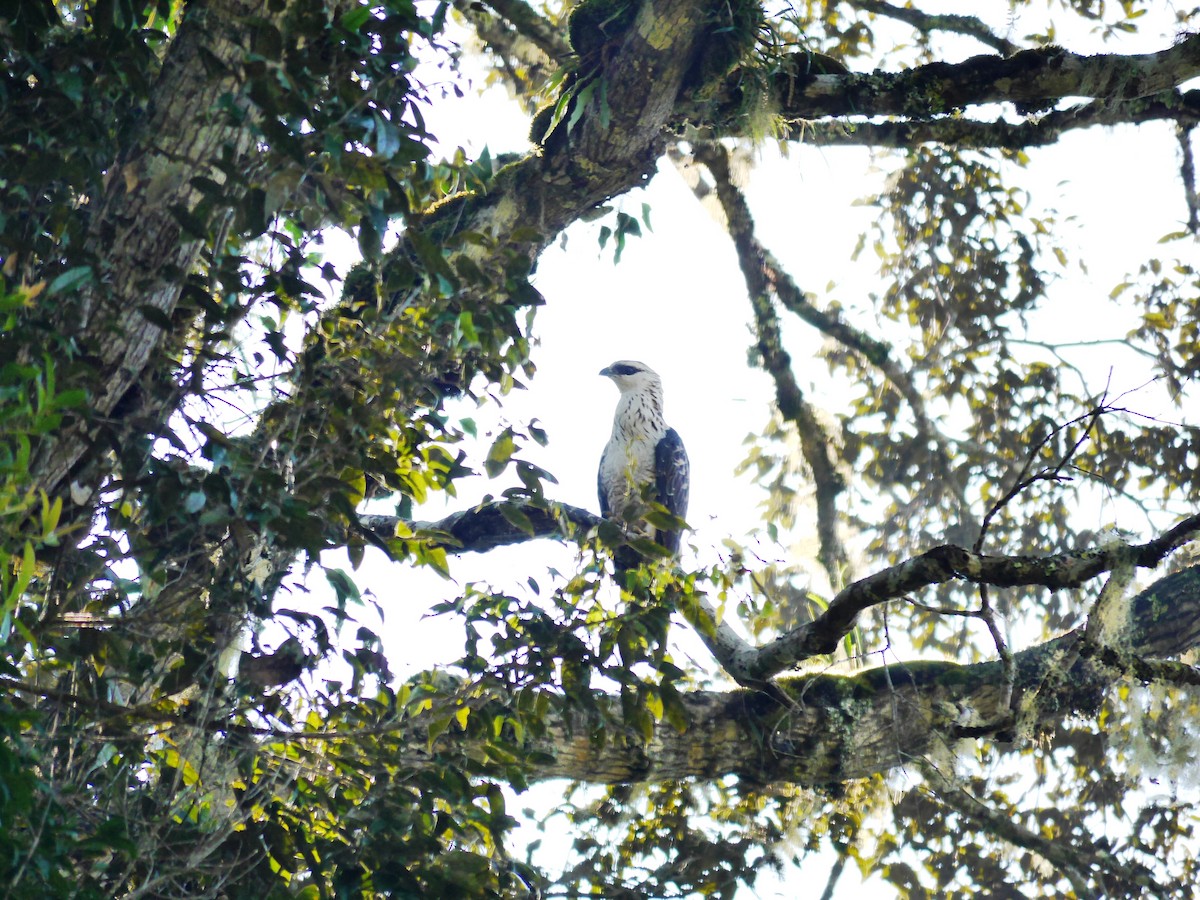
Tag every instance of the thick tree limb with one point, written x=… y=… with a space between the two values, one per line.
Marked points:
x=832 y=728
x=1175 y=106
x=1032 y=79
x=839 y=728
x=644 y=73
x=487 y=526
x=528 y=47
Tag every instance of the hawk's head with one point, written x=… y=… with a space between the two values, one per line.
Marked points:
x=630 y=375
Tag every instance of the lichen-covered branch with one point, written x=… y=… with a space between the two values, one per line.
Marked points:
x=817 y=729
x=1173 y=106
x=1033 y=79
x=837 y=728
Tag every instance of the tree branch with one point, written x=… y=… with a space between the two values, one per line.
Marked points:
x=1040 y=131
x=526 y=20
x=492 y=525
x=1031 y=79
x=833 y=728
x=528 y=46
x=927 y=23
x=815 y=442
x=837 y=728
x=1187 y=174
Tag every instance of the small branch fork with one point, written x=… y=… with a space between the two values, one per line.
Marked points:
x=1187 y=172
x=1024 y=480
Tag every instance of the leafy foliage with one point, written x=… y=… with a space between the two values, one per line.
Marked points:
x=198 y=403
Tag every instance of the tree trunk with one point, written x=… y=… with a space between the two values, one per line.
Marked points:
x=150 y=227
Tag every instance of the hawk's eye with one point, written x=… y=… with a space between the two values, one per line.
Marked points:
x=625 y=370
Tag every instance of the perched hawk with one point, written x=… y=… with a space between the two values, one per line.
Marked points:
x=644 y=459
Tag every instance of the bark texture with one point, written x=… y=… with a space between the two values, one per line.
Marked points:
x=146 y=236
x=833 y=728
x=649 y=73
x=1031 y=79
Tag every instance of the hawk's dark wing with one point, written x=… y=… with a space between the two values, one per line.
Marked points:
x=602 y=488
x=672 y=475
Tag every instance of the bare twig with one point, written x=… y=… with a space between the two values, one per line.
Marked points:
x=995 y=628
x=1024 y=480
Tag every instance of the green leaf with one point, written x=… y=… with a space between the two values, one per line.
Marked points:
x=343 y=585
x=654 y=705
x=72 y=399
x=583 y=98
x=662 y=519
x=466 y=324
x=516 y=517
x=355 y=19
x=70 y=280
x=647 y=547
x=24 y=575
x=500 y=453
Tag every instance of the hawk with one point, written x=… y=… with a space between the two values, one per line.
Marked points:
x=644 y=459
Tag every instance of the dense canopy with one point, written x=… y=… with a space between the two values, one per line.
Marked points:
x=957 y=648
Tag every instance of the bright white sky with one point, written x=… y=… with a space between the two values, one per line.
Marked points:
x=677 y=302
